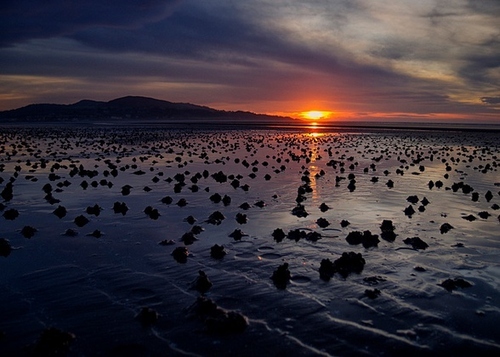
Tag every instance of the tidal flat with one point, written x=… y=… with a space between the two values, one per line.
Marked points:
x=162 y=241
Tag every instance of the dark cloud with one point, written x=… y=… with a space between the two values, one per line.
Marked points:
x=491 y=100
x=230 y=38
x=488 y=7
x=22 y=20
x=188 y=33
x=477 y=67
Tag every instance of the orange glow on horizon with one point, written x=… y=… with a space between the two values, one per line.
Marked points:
x=315 y=114
x=387 y=117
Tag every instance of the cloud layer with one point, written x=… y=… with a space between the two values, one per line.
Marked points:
x=430 y=58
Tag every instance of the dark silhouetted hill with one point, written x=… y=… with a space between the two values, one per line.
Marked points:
x=128 y=108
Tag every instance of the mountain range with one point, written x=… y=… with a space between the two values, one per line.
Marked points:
x=132 y=108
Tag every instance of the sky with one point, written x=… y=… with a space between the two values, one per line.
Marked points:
x=381 y=60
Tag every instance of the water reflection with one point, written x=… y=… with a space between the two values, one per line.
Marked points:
x=128 y=267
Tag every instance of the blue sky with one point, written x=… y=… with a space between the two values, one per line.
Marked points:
x=359 y=59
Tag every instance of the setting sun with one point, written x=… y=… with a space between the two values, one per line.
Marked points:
x=315 y=114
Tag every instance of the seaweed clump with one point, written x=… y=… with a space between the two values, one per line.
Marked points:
x=5 y=247
x=416 y=243
x=53 y=342
x=348 y=263
x=387 y=229
x=281 y=276
x=216 y=319
x=453 y=284
x=366 y=238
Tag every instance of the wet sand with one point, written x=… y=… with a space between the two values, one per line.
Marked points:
x=113 y=241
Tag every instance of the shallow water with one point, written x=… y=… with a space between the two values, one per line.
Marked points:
x=94 y=287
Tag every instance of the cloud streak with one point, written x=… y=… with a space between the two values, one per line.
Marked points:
x=346 y=56
x=24 y=20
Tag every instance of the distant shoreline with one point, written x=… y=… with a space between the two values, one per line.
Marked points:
x=228 y=124
x=137 y=111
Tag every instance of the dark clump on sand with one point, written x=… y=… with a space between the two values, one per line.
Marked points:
x=180 y=254
x=60 y=212
x=11 y=214
x=226 y=200
x=197 y=229
x=348 y=263
x=81 y=221
x=217 y=251
x=241 y=218
x=413 y=199
x=215 y=218
x=94 y=210
x=366 y=238
x=5 y=247
x=453 y=284
x=313 y=236
x=322 y=222
x=344 y=223
x=324 y=207
x=166 y=242
x=216 y=198
x=53 y=342
x=327 y=269
x=152 y=212
x=373 y=280
x=278 y=235
x=260 y=204
x=188 y=238
x=281 y=276
x=147 y=316
x=416 y=243
x=445 y=228
x=7 y=192
x=28 y=231
x=126 y=190
x=372 y=294
x=219 y=177
x=387 y=229
x=409 y=211
x=216 y=319
x=96 y=234
x=245 y=206
x=469 y=217
x=237 y=234
x=201 y=284
x=300 y=211
x=484 y=214
x=120 y=207
x=70 y=233
x=167 y=200
x=296 y=234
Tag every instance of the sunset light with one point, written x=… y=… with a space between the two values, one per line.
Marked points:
x=299 y=59
x=315 y=114
x=280 y=177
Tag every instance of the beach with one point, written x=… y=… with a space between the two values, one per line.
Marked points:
x=249 y=241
